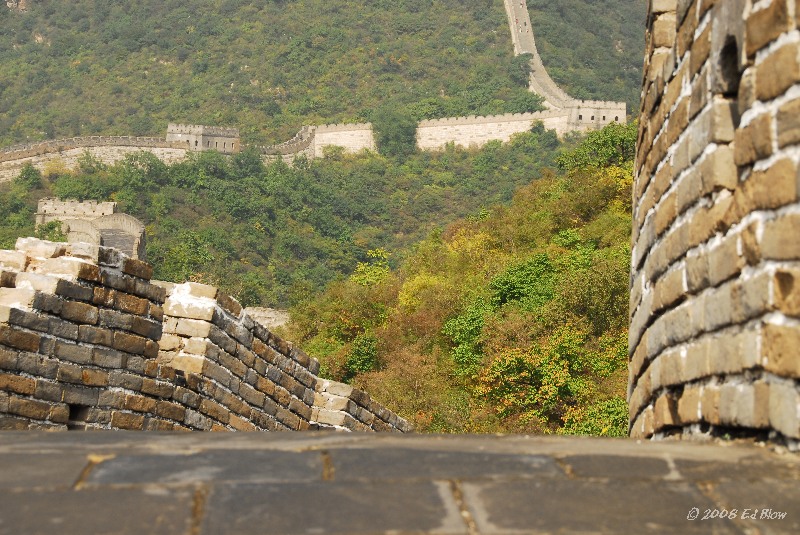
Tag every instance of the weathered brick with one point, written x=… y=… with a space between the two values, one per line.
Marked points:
x=754 y=141
x=79 y=312
x=123 y=379
x=229 y=304
x=157 y=388
x=780 y=344
x=130 y=343
x=78 y=354
x=126 y=420
x=787 y=291
x=778 y=72
x=137 y=268
x=189 y=308
x=17 y=384
x=215 y=410
x=93 y=377
x=26 y=341
x=63 y=329
x=108 y=358
x=29 y=408
x=95 y=335
x=287 y=418
x=168 y=409
x=765 y=25
x=80 y=395
x=130 y=304
x=137 y=403
x=240 y=424
x=112 y=398
x=789 y=123
x=779 y=240
x=14 y=260
x=73 y=290
x=783 y=402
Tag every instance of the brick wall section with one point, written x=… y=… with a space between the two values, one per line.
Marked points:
x=87 y=340
x=715 y=271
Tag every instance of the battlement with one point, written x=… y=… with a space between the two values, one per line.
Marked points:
x=342 y=127
x=27 y=150
x=76 y=209
x=200 y=130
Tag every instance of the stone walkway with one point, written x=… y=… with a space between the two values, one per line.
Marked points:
x=320 y=483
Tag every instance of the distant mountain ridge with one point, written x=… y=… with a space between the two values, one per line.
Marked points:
x=84 y=67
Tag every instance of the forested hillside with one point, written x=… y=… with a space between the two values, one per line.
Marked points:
x=274 y=235
x=512 y=320
x=84 y=67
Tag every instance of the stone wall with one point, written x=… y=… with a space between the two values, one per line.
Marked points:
x=87 y=340
x=197 y=137
x=352 y=137
x=67 y=152
x=715 y=270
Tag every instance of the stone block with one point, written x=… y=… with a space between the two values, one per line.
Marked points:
x=144 y=327
x=765 y=25
x=689 y=405
x=138 y=403
x=80 y=312
x=157 y=388
x=214 y=410
x=18 y=297
x=229 y=304
x=14 y=260
x=170 y=410
x=783 y=408
x=189 y=308
x=195 y=420
x=112 y=399
x=26 y=341
x=778 y=72
x=35 y=247
x=17 y=384
x=779 y=240
x=94 y=377
x=30 y=408
x=789 y=123
x=130 y=304
x=130 y=343
x=109 y=358
x=188 y=363
x=69 y=268
x=780 y=346
x=700 y=49
x=754 y=141
x=137 y=268
x=240 y=424
x=126 y=420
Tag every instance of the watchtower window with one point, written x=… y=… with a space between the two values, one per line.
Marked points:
x=592 y=117
x=604 y=117
x=616 y=118
x=195 y=143
x=580 y=117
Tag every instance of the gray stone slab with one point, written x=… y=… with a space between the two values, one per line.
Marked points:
x=349 y=508
x=768 y=506
x=586 y=506
x=45 y=471
x=400 y=463
x=616 y=466
x=748 y=469
x=208 y=466
x=107 y=511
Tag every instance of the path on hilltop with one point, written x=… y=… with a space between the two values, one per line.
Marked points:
x=519 y=22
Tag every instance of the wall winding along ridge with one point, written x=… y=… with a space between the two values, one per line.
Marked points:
x=715 y=270
x=87 y=340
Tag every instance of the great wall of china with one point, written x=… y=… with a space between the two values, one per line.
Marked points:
x=86 y=339
x=564 y=115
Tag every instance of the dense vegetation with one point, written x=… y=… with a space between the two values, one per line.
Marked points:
x=514 y=319
x=601 y=59
x=276 y=234
x=84 y=67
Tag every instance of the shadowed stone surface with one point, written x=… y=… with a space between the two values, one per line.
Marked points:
x=334 y=483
